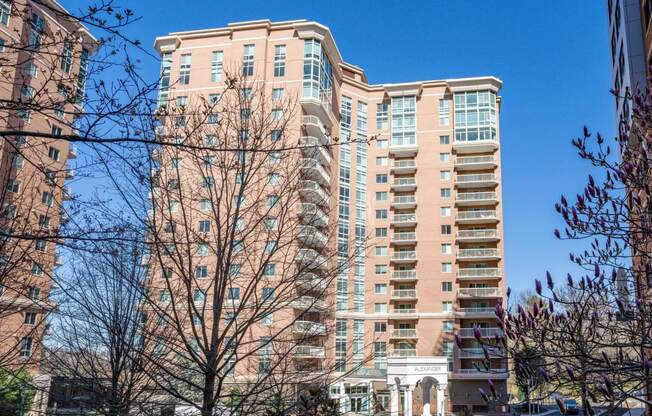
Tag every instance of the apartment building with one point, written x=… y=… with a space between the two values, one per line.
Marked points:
x=44 y=66
x=408 y=177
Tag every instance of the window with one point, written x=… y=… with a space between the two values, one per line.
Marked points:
x=445 y=192
x=248 y=60
x=380 y=288
x=272 y=200
x=53 y=153
x=24 y=114
x=268 y=294
x=270 y=247
x=205 y=205
x=25 y=347
x=234 y=293
x=382 y=143
x=444 y=157
x=27 y=92
x=41 y=245
x=380 y=326
x=279 y=61
x=37 y=269
x=184 y=69
x=446 y=230
x=446 y=248
x=380 y=363
x=380 y=308
x=446 y=267
x=381 y=232
x=381 y=250
x=382 y=113
x=277 y=93
x=18 y=161
x=34 y=293
x=381 y=269
x=382 y=178
x=9 y=210
x=444 y=112
x=216 y=66
x=66 y=57
x=276 y=135
x=381 y=214
x=164 y=295
x=47 y=199
x=56 y=131
x=271 y=223
x=264 y=353
x=44 y=221
x=201 y=272
x=381 y=196
x=13 y=186
x=382 y=161
x=277 y=114
x=204 y=226
x=404 y=121
x=447 y=326
x=445 y=175
x=5 y=11
x=446 y=286
x=270 y=269
x=199 y=296
x=445 y=211
x=444 y=139
x=166 y=273
x=202 y=250
x=2 y=41
x=35 y=31
x=447 y=306
x=30 y=69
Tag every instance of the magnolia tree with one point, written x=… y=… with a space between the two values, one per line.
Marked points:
x=592 y=332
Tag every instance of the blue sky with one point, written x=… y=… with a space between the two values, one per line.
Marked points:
x=553 y=57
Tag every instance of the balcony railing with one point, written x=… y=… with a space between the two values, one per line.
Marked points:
x=404 y=333
x=312 y=147
x=312 y=281
x=404 y=311
x=476 y=197
x=484 y=332
x=404 y=294
x=404 y=219
x=479 y=292
x=307 y=351
x=478 y=353
x=313 y=215
x=404 y=165
x=404 y=182
x=312 y=236
x=72 y=151
x=311 y=258
x=478 y=253
x=404 y=275
x=478 y=310
x=404 y=237
x=476 y=179
x=309 y=328
x=473 y=273
x=406 y=200
x=475 y=371
x=477 y=216
x=309 y=303
x=478 y=162
x=312 y=169
x=315 y=127
x=488 y=234
x=404 y=353
x=314 y=192
x=404 y=255
x=473 y=146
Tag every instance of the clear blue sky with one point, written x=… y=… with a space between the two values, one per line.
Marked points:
x=553 y=57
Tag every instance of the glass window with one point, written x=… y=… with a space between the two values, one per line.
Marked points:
x=380 y=308
x=381 y=214
x=445 y=175
x=382 y=178
x=381 y=232
x=447 y=306
x=381 y=196
x=381 y=250
x=446 y=267
x=234 y=293
x=447 y=326
x=248 y=60
x=66 y=57
x=279 y=60
x=444 y=113
x=382 y=115
x=446 y=286
x=446 y=229
x=445 y=211
x=216 y=66
x=444 y=139
x=446 y=248
x=380 y=326
x=445 y=192
x=380 y=288
x=5 y=11
x=382 y=161
x=444 y=157
x=184 y=69
x=381 y=269
x=25 y=347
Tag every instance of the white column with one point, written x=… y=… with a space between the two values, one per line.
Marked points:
x=441 y=410
x=408 y=401
x=393 y=400
x=426 y=410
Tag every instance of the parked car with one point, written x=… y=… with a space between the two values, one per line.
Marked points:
x=571 y=407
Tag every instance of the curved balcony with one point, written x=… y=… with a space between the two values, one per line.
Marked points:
x=403 y=314
x=312 y=237
x=317 y=106
x=475 y=146
x=404 y=201
x=476 y=254
x=404 y=238
x=312 y=148
x=476 y=198
x=475 y=162
x=488 y=216
x=409 y=149
x=479 y=292
x=309 y=328
x=484 y=332
x=308 y=351
x=477 y=312
x=312 y=281
x=315 y=128
x=479 y=180
x=311 y=303
x=311 y=214
x=311 y=259
x=404 y=276
x=312 y=191
x=404 y=166
x=312 y=169
x=404 y=294
x=404 y=352
x=72 y=151
x=408 y=256
x=404 y=184
x=404 y=220
x=477 y=236
x=403 y=334
x=482 y=273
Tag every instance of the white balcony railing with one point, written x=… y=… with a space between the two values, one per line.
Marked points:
x=408 y=164
x=404 y=311
x=404 y=218
x=309 y=328
x=315 y=127
x=480 y=215
x=404 y=236
x=404 y=294
x=404 y=182
x=477 y=234
x=308 y=351
x=312 y=281
x=479 y=292
x=313 y=215
x=404 y=275
x=476 y=196
x=404 y=200
x=404 y=352
x=484 y=332
x=314 y=192
x=478 y=353
x=478 y=253
x=484 y=272
x=478 y=310
x=314 y=170
x=464 y=161
x=310 y=258
x=404 y=333
x=475 y=178
x=312 y=236
x=312 y=147
x=404 y=255
x=309 y=303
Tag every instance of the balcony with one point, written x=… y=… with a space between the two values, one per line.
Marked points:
x=404 y=238
x=404 y=276
x=476 y=198
x=70 y=173
x=311 y=259
x=479 y=273
x=66 y=195
x=475 y=162
x=484 y=332
x=475 y=146
x=311 y=281
x=472 y=373
x=404 y=166
x=407 y=256
x=72 y=152
x=477 y=217
x=311 y=303
x=478 y=254
x=477 y=236
x=312 y=169
x=404 y=294
x=308 y=351
x=312 y=148
x=404 y=184
x=478 y=312
x=313 y=215
x=309 y=328
x=315 y=128
x=403 y=334
x=478 y=353
x=404 y=201
x=480 y=180
x=404 y=220
x=312 y=191
x=479 y=292
x=312 y=236
x=403 y=314
x=317 y=107
x=404 y=352
x=400 y=150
